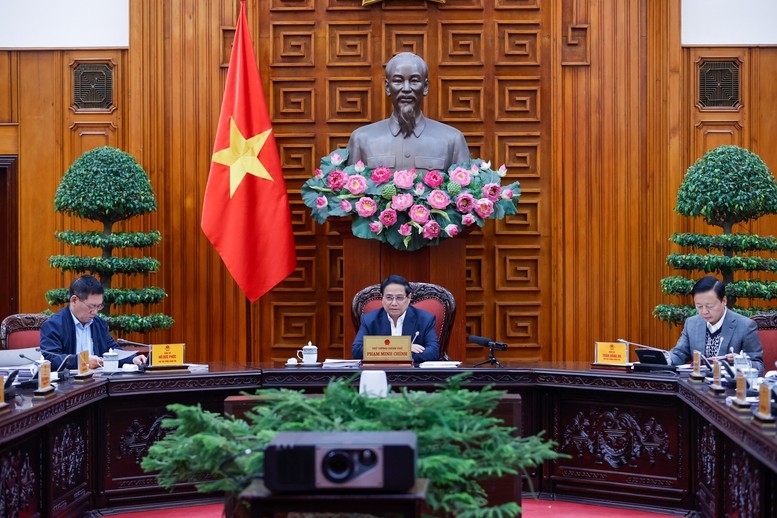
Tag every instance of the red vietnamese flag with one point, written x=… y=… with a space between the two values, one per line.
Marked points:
x=246 y=213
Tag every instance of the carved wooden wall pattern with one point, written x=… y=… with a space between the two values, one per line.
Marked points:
x=321 y=88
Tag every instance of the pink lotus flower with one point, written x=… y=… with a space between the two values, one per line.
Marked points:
x=380 y=175
x=357 y=184
x=337 y=180
x=507 y=194
x=431 y=229
x=402 y=201
x=359 y=167
x=502 y=171
x=438 y=199
x=433 y=179
x=346 y=206
x=461 y=176
x=336 y=159
x=404 y=179
x=366 y=207
x=492 y=191
x=388 y=217
x=419 y=214
x=484 y=207
x=376 y=227
x=465 y=203
x=321 y=202
x=452 y=230
x=318 y=173
x=419 y=189
x=468 y=219
x=405 y=229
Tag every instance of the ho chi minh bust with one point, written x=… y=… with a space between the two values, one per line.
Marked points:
x=407 y=139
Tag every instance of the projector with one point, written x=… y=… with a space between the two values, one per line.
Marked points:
x=313 y=462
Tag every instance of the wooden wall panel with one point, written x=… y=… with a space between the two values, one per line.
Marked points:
x=590 y=104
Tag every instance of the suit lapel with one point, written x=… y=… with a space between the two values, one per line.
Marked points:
x=727 y=332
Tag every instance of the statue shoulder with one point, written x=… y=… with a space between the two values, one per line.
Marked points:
x=442 y=127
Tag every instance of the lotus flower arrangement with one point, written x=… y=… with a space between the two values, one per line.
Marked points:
x=409 y=209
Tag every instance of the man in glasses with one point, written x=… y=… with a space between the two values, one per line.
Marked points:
x=397 y=318
x=78 y=327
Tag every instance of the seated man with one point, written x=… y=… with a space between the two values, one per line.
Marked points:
x=716 y=331
x=77 y=327
x=396 y=318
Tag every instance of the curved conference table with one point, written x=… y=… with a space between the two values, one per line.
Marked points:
x=639 y=439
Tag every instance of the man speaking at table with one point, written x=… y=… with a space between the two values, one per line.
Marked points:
x=398 y=318
x=77 y=327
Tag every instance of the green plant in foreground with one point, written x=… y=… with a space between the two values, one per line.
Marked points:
x=459 y=441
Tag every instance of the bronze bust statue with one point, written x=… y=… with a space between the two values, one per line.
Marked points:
x=407 y=139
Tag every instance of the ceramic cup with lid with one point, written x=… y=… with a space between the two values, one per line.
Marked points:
x=308 y=354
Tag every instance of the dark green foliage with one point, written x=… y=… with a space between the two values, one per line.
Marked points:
x=734 y=242
x=113 y=240
x=721 y=263
x=106 y=185
x=727 y=186
x=109 y=186
x=114 y=296
x=459 y=441
x=104 y=265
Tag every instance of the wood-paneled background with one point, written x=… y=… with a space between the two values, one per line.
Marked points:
x=592 y=106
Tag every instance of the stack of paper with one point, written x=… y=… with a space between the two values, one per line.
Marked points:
x=341 y=364
x=439 y=365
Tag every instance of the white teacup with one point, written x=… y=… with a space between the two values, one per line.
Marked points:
x=308 y=354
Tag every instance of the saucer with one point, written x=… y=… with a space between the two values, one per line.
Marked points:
x=308 y=365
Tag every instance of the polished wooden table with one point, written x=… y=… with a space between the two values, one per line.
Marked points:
x=257 y=501
x=650 y=440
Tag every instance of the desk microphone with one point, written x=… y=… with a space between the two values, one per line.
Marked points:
x=36 y=362
x=487 y=342
x=63 y=372
x=414 y=337
x=122 y=341
x=621 y=340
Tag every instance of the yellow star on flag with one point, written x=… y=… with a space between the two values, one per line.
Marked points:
x=242 y=156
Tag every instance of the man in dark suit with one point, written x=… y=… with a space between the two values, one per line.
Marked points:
x=716 y=330
x=77 y=327
x=398 y=318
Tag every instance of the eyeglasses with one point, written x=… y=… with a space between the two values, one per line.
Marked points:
x=93 y=307
x=391 y=298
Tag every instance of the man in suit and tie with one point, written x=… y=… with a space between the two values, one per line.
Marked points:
x=398 y=318
x=716 y=330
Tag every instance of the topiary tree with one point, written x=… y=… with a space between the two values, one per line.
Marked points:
x=728 y=185
x=109 y=186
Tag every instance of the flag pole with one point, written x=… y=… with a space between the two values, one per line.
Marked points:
x=249 y=340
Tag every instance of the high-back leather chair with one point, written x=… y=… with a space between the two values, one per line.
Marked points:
x=767 y=332
x=430 y=297
x=21 y=331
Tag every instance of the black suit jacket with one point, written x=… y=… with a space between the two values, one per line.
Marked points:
x=416 y=320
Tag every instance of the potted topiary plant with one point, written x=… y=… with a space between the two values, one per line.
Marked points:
x=727 y=186
x=459 y=442
x=109 y=186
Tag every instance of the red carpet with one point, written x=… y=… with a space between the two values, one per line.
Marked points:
x=531 y=509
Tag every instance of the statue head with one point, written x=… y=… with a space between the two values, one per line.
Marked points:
x=407 y=82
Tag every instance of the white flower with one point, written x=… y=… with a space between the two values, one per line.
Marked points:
x=502 y=171
x=336 y=159
x=485 y=165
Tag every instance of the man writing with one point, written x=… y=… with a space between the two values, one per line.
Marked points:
x=716 y=330
x=407 y=139
x=398 y=318
x=77 y=327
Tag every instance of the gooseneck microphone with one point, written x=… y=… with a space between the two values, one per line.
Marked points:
x=122 y=341
x=36 y=362
x=487 y=342
x=621 y=340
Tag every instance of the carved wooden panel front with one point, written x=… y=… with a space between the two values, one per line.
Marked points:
x=21 y=480
x=489 y=77
x=618 y=448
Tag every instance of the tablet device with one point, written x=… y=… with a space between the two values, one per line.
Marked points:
x=651 y=356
